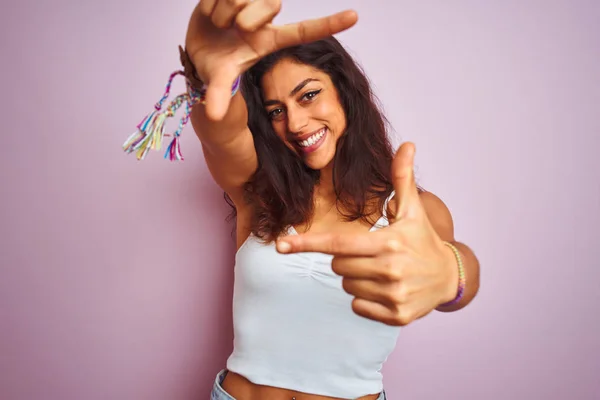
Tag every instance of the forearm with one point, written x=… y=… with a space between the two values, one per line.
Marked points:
x=471 y=268
x=219 y=133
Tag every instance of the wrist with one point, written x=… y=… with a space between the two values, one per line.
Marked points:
x=190 y=70
x=455 y=282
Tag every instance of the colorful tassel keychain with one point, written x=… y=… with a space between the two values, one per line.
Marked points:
x=151 y=130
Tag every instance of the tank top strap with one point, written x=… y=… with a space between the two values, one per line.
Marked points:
x=385 y=204
x=383 y=221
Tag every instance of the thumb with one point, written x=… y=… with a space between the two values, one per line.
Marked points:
x=218 y=94
x=403 y=179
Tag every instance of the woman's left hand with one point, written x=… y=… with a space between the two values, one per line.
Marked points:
x=396 y=274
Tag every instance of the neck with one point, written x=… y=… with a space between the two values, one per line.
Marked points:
x=324 y=189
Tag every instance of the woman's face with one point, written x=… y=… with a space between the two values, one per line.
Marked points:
x=304 y=109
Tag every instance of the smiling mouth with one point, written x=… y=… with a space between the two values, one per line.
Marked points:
x=310 y=142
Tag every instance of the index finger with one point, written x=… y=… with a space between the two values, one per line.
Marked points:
x=313 y=29
x=339 y=244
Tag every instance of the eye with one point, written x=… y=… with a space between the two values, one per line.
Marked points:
x=274 y=113
x=310 y=95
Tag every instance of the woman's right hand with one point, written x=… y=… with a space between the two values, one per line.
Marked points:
x=227 y=37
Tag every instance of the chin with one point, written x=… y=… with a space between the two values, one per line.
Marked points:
x=317 y=165
x=319 y=162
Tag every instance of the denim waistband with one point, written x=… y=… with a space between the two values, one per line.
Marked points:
x=218 y=393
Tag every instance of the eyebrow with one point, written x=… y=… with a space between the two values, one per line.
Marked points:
x=293 y=92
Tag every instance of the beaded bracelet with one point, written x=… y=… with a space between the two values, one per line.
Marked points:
x=151 y=130
x=461 y=277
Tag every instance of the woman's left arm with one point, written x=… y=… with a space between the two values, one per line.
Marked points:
x=443 y=223
x=401 y=272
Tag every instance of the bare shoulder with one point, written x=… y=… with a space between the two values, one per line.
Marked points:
x=438 y=214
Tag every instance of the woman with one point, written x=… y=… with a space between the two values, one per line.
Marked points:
x=337 y=247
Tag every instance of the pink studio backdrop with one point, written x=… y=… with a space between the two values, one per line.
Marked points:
x=116 y=275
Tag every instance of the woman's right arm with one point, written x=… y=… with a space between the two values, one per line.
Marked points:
x=226 y=140
x=228 y=147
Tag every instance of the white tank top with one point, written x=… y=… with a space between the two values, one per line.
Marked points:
x=294 y=327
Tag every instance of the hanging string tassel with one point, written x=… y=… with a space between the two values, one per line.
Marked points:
x=138 y=139
x=151 y=130
x=173 y=150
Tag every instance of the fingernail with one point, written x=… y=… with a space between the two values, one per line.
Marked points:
x=283 y=247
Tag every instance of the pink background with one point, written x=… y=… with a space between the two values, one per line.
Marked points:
x=116 y=275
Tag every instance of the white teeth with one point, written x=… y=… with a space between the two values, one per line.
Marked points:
x=313 y=139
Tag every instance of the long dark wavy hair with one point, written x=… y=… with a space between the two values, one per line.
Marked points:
x=280 y=192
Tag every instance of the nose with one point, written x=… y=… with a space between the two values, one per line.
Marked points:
x=297 y=119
